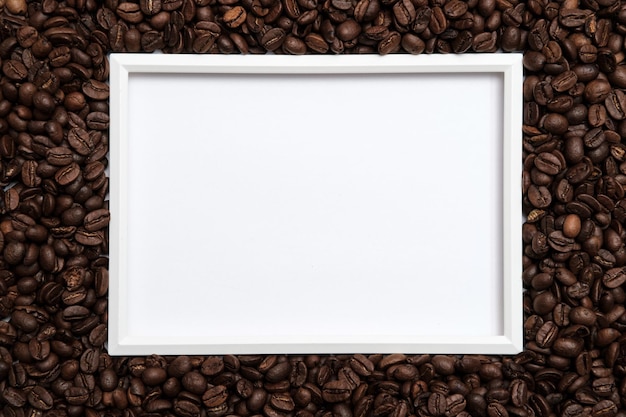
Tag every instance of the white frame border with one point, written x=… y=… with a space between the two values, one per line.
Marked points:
x=510 y=65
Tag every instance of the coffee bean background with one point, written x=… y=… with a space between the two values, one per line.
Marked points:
x=54 y=214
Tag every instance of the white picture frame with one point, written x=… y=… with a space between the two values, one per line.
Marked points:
x=146 y=208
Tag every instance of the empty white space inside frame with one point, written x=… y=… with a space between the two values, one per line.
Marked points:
x=336 y=204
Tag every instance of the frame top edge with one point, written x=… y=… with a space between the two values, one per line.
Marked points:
x=190 y=63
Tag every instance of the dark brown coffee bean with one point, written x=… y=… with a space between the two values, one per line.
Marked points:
x=96 y=90
x=59 y=156
x=67 y=174
x=130 y=12
x=544 y=302
x=390 y=44
x=578 y=173
x=615 y=104
x=534 y=61
x=108 y=380
x=438 y=22
x=316 y=43
x=564 y=81
x=614 y=277
x=594 y=138
x=235 y=17
x=597 y=91
x=14 y=397
x=437 y=404
x=572 y=18
x=484 y=42
x=98 y=335
x=412 y=44
x=278 y=372
x=96 y=220
x=153 y=376
x=294 y=46
x=336 y=391
x=215 y=396
x=97 y=120
x=348 y=30
x=26 y=36
x=273 y=39
x=618 y=76
x=150 y=7
x=366 y=10
x=568 y=347
x=24 y=321
x=40 y=398
x=84 y=237
x=555 y=123
x=14 y=70
x=76 y=395
x=282 y=402
x=539 y=196
x=404 y=12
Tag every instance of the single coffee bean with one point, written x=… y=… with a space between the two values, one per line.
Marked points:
x=130 y=12
x=437 y=404
x=40 y=398
x=348 y=30
x=235 y=17
x=150 y=7
x=594 y=138
x=615 y=104
x=75 y=101
x=404 y=12
x=216 y=396
x=282 y=402
x=390 y=44
x=614 y=277
x=67 y=174
x=597 y=91
x=539 y=196
x=336 y=391
x=572 y=226
x=273 y=39
x=59 y=156
x=294 y=46
x=14 y=70
x=96 y=90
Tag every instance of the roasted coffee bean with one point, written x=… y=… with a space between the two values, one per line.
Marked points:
x=235 y=17
x=404 y=12
x=130 y=12
x=348 y=30
x=215 y=396
x=615 y=104
x=150 y=7
x=539 y=196
x=336 y=391
x=95 y=89
x=96 y=220
x=40 y=398
x=412 y=44
x=273 y=39
x=597 y=91
x=390 y=44
x=67 y=174
x=437 y=404
x=153 y=376
x=59 y=156
x=294 y=46
x=14 y=70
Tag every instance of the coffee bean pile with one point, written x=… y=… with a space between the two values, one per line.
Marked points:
x=54 y=215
